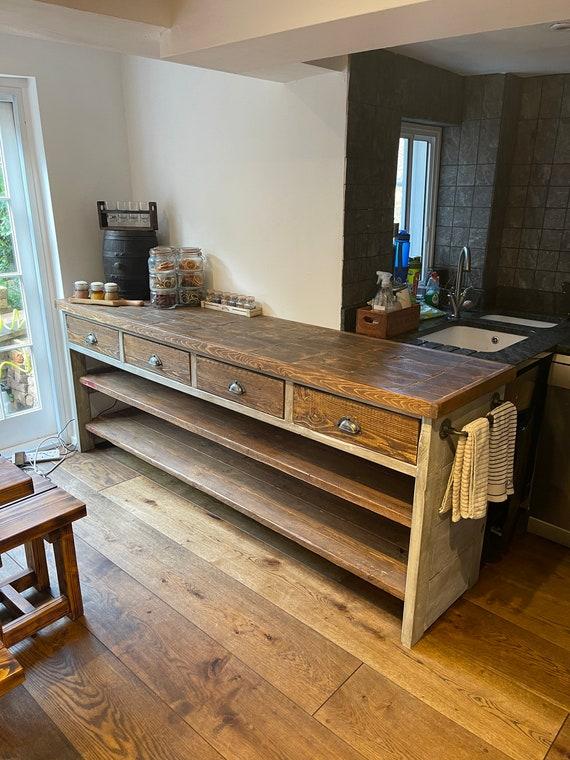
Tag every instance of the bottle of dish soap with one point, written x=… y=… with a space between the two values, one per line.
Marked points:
x=431 y=296
x=385 y=299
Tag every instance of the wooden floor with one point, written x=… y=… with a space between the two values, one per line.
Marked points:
x=207 y=636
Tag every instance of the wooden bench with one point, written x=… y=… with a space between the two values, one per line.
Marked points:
x=46 y=516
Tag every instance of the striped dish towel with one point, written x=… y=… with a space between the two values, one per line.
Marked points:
x=466 y=493
x=503 y=434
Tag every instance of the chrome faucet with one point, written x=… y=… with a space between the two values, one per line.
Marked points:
x=458 y=295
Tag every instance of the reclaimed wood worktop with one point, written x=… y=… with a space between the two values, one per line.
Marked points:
x=409 y=379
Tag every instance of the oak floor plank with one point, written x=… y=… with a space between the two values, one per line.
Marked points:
x=100 y=706
x=289 y=654
x=531 y=588
x=366 y=623
x=560 y=750
x=98 y=470
x=544 y=615
x=497 y=644
x=27 y=733
x=228 y=515
x=233 y=708
x=368 y=712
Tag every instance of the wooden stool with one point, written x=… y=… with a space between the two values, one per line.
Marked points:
x=46 y=516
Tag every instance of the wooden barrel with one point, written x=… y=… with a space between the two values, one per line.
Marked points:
x=125 y=260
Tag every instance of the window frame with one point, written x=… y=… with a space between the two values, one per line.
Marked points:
x=433 y=135
x=22 y=93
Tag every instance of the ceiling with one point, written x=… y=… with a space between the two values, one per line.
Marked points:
x=525 y=50
x=274 y=40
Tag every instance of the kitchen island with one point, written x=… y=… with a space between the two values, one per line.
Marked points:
x=329 y=438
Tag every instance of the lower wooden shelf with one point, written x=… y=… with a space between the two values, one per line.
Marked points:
x=359 y=541
x=370 y=485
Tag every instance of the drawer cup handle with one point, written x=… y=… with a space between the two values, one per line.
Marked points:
x=236 y=388
x=154 y=361
x=346 y=425
x=91 y=338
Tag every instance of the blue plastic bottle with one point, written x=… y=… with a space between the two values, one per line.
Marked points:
x=401 y=255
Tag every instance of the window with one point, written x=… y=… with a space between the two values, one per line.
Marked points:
x=27 y=399
x=416 y=188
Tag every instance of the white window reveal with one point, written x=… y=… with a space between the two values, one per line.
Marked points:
x=416 y=188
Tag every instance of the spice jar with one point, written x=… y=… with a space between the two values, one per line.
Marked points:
x=163 y=280
x=111 y=291
x=190 y=259
x=80 y=289
x=163 y=299
x=189 y=296
x=162 y=259
x=97 y=291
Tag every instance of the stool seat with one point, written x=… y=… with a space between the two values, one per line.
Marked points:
x=37 y=516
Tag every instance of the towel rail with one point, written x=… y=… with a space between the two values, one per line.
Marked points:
x=446 y=429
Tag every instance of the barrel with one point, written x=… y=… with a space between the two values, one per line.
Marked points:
x=125 y=260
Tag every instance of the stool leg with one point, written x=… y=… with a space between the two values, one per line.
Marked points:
x=67 y=571
x=36 y=559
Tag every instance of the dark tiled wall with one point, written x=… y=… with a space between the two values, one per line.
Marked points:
x=534 y=257
x=468 y=175
x=384 y=89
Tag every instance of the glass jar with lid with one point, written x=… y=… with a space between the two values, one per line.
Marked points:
x=190 y=260
x=111 y=291
x=162 y=259
x=97 y=291
x=81 y=289
x=164 y=298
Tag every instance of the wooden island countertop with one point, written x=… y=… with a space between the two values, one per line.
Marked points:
x=409 y=379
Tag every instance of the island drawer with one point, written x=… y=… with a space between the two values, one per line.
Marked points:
x=103 y=340
x=157 y=358
x=266 y=394
x=390 y=433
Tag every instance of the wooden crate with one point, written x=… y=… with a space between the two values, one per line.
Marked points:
x=379 y=324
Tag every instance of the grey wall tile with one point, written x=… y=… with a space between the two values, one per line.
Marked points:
x=530 y=98
x=527 y=259
x=469 y=142
x=544 y=280
x=540 y=174
x=545 y=141
x=464 y=196
x=547 y=260
x=562 y=151
x=466 y=174
x=461 y=216
x=554 y=218
x=448 y=175
x=489 y=141
x=509 y=257
x=560 y=175
x=530 y=238
x=511 y=238
x=551 y=98
x=551 y=240
x=485 y=174
x=557 y=197
x=483 y=197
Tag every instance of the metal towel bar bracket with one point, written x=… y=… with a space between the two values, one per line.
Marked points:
x=446 y=429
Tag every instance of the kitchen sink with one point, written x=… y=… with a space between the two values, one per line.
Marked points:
x=474 y=338
x=518 y=321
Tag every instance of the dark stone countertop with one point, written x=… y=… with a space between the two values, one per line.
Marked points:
x=540 y=339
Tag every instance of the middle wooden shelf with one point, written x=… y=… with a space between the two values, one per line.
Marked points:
x=366 y=484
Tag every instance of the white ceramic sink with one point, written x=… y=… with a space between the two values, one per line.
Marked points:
x=474 y=338
x=518 y=321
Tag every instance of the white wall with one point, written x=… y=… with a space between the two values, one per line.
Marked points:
x=84 y=131
x=251 y=171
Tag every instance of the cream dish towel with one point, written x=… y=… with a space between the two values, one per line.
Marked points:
x=466 y=493
x=503 y=433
